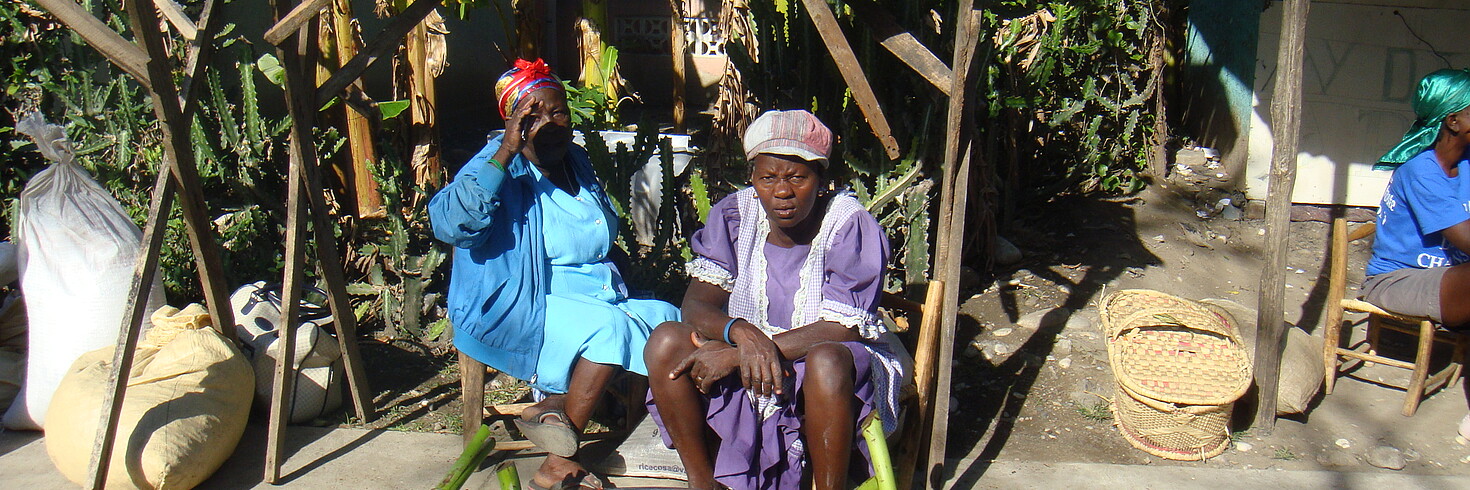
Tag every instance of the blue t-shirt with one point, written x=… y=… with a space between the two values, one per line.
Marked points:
x=1420 y=202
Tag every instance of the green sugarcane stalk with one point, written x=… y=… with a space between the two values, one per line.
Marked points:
x=476 y=451
x=878 y=449
x=510 y=478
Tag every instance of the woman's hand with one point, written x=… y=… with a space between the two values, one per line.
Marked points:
x=760 y=360
x=709 y=363
x=519 y=128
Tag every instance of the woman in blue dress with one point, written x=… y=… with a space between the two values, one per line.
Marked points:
x=534 y=291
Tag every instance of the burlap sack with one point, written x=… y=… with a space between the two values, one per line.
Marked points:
x=1301 y=362
x=187 y=403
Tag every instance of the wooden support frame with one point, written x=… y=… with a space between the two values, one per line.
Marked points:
x=1286 y=114
x=175 y=109
x=306 y=202
x=958 y=154
x=852 y=72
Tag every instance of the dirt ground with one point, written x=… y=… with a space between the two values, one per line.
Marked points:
x=1030 y=381
x=1030 y=390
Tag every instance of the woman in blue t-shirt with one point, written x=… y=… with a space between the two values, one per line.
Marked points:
x=1419 y=265
x=1419 y=259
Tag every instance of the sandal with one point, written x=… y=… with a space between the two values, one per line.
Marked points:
x=555 y=436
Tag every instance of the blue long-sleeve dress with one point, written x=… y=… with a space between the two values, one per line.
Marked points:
x=531 y=288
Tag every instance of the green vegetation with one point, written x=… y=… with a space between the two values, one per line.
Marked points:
x=1098 y=411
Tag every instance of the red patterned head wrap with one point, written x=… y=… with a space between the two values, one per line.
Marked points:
x=526 y=77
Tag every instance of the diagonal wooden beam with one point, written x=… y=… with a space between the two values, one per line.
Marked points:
x=903 y=44
x=384 y=44
x=291 y=23
x=176 y=17
x=197 y=61
x=180 y=169
x=852 y=72
x=124 y=54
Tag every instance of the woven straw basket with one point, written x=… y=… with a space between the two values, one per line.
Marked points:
x=1179 y=368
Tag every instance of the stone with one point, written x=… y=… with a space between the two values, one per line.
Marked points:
x=1411 y=455
x=1002 y=332
x=1047 y=318
x=1062 y=348
x=1388 y=457
x=1255 y=209
x=1244 y=447
x=1343 y=443
x=1065 y=363
x=1006 y=253
x=1232 y=213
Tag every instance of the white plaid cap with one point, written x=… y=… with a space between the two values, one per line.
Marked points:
x=796 y=133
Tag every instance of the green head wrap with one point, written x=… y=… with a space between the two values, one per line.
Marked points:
x=1440 y=94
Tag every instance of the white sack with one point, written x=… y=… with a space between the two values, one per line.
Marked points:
x=76 y=253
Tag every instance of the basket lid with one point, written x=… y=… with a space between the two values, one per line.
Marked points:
x=1173 y=350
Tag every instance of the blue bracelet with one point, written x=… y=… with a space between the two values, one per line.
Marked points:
x=729 y=324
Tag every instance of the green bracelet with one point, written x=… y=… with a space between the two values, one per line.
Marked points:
x=497 y=164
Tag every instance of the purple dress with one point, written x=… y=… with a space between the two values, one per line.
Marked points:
x=838 y=278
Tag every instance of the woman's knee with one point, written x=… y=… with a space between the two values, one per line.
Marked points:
x=669 y=339
x=829 y=362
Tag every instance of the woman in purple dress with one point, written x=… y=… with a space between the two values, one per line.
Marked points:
x=780 y=321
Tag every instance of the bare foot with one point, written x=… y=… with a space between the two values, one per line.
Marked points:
x=557 y=469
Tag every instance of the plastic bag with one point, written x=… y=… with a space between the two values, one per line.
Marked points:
x=76 y=250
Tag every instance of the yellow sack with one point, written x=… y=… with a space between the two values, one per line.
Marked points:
x=187 y=403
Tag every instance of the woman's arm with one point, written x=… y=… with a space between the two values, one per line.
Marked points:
x=462 y=211
x=1458 y=235
x=759 y=357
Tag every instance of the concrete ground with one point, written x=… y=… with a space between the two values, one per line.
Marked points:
x=362 y=459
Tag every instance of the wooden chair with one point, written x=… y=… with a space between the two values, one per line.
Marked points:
x=895 y=469
x=1423 y=329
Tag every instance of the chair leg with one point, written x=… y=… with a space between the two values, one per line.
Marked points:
x=1421 y=369
x=1333 y=338
x=472 y=395
x=637 y=395
x=1373 y=330
x=1458 y=358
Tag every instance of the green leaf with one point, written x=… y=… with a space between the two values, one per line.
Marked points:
x=392 y=109
x=272 y=69
x=361 y=289
x=701 y=194
x=437 y=329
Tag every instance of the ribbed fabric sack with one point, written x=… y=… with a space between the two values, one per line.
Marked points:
x=187 y=404
x=317 y=389
x=77 y=249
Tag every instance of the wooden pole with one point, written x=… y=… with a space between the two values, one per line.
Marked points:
x=301 y=152
x=119 y=51
x=680 y=48
x=852 y=72
x=178 y=171
x=958 y=151
x=1285 y=129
